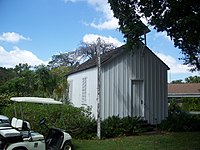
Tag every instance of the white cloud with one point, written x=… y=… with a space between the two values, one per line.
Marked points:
x=177 y=70
x=109 y=21
x=163 y=35
x=102 y=6
x=109 y=24
x=90 y=38
x=14 y=57
x=175 y=66
x=12 y=37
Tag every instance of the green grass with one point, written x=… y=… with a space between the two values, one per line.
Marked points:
x=165 y=141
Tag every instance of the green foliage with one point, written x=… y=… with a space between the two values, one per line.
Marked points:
x=4 y=99
x=45 y=81
x=22 y=82
x=40 y=82
x=178 y=18
x=175 y=122
x=115 y=126
x=190 y=104
x=132 y=125
x=5 y=74
x=179 y=121
x=173 y=106
x=3 y=102
x=111 y=127
x=62 y=59
x=129 y=21
x=186 y=104
x=77 y=121
x=60 y=92
x=177 y=81
x=192 y=79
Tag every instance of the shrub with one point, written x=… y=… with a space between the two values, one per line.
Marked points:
x=181 y=121
x=111 y=127
x=175 y=122
x=195 y=123
x=131 y=125
x=191 y=104
x=4 y=99
x=115 y=126
x=77 y=121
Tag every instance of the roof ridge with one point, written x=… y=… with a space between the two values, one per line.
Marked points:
x=90 y=63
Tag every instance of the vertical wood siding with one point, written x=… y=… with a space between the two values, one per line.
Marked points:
x=118 y=76
x=132 y=84
x=91 y=89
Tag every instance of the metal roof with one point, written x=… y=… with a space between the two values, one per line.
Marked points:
x=106 y=57
x=184 y=90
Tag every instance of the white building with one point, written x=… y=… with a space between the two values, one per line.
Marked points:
x=133 y=83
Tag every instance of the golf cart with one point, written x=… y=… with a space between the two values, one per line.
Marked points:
x=19 y=135
x=4 y=121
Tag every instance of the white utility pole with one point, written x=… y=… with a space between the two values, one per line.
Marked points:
x=98 y=90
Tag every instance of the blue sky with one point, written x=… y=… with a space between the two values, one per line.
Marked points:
x=32 y=31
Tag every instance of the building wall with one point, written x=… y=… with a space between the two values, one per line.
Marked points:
x=132 y=84
x=155 y=79
x=83 y=89
x=135 y=84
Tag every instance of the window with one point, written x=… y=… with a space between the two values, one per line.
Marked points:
x=84 y=90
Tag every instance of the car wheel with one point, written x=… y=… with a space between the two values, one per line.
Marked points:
x=67 y=146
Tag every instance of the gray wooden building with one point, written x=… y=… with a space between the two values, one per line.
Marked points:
x=133 y=83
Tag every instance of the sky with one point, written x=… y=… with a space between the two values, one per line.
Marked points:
x=32 y=31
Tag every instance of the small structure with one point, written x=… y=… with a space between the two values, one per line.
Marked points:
x=178 y=92
x=184 y=90
x=133 y=83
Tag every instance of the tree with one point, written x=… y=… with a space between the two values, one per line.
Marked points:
x=84 y=52
x=179 y=18
x=192 y=79
x=19 y=69
x=5 y=75
x=40 y=81
x=63 y=59
x=60 y=90
x=89 y=50
x=21 y=81
x=177 y=81
x=46 y=82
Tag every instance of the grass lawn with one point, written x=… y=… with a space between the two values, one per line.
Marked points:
x=165 y=141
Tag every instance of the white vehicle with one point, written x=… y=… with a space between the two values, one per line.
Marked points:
x=4 y=121
x=20 y=137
